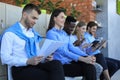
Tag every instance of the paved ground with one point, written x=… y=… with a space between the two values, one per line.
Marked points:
x=116 y=76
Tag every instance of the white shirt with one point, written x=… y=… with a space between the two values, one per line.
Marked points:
x=13 y=48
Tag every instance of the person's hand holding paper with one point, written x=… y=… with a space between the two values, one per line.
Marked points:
x=49 y=58
x=48 y=47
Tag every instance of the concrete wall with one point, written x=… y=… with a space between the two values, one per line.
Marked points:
x=102 y=17
x=110 y=28
x=113 y=30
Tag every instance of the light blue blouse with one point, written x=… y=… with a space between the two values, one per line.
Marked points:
x=67 y=52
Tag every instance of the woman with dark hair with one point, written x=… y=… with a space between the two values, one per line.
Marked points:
x=73 y=64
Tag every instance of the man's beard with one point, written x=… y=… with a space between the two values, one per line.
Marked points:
x=27 y=24
x=91 y=33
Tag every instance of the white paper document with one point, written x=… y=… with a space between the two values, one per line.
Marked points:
x=48 y=47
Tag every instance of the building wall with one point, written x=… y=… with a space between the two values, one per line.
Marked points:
x=113 y=30
x=84 y=6
x=102 y=17
x=3 y=72
x=110 y=28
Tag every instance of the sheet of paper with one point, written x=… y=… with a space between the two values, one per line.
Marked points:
x=48 y=47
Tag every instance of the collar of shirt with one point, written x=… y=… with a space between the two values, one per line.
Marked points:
x=89 y=38
x=28 y=33
x=57 y=30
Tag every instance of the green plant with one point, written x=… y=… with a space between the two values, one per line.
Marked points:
x=49 y=5
x=52 y=6
x=25 y=1
x=118 y=7
x=74 y=12
x=42 y=4
x=20 y=2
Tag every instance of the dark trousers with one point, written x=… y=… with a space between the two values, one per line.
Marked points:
x=52 y=70
x=113 y=65
x=80 y=69
x=101 y=60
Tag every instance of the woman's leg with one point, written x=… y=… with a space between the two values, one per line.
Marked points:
x=89 y=71
x=80 y=69
x=101 y=60
x=72 y=70
x=99 y=70
x=55 y=70
x=106 y=74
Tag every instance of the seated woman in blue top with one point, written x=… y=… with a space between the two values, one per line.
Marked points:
x=73 y=64
x=84 y=45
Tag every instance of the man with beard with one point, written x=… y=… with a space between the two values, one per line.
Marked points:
x=108 y=64
x=20 y=46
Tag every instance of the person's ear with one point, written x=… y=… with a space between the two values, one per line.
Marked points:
x=77 y=27
x=54 y=18
x=88 y=28
x=24 y=14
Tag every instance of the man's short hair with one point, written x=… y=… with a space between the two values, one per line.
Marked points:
x=70 y=19
x=29 y=7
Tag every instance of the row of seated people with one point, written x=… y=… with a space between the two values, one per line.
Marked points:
x=20 y=46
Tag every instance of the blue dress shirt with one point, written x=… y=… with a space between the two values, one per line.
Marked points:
x=64 y=54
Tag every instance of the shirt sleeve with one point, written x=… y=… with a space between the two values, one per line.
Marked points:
x=7 y=56
x=90 y=52
x=76 y=50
